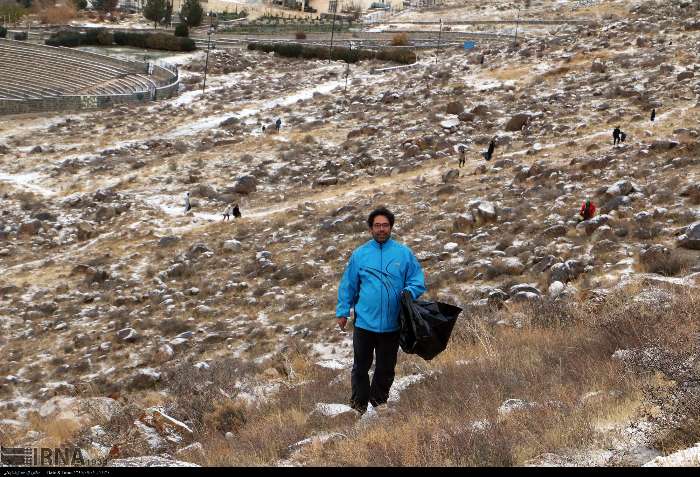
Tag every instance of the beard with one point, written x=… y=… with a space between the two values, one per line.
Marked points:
x=381 y=237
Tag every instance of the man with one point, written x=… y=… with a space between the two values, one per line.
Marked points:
x=653 y=114
x=236 y=211
x=623 y=136
x=616 y=135
x=278 y=124
x=227 y=213
x=374 y=279
x=587 y=211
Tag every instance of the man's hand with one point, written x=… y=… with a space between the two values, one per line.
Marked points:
x=342 y=322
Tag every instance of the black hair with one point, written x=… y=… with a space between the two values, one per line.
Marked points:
x=380 y=211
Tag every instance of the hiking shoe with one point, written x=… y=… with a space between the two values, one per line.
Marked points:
x=359 y=409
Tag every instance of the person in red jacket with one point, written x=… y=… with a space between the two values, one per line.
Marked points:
x=587 y=210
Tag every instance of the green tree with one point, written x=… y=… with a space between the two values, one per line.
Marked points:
x=168 y=17
x=80 y=4
x=154 y=11
x=192 y=13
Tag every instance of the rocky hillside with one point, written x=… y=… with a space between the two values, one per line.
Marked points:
x=149 y=336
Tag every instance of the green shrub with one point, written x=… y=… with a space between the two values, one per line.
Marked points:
x=104 y=38
x=182 y=30
x=64 y=38
x=154 y=41
x=3 y=32
x=20 y=36
x=296 y=50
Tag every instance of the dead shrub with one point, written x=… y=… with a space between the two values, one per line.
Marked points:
x=670 y=265
x=400 y=39
x=300 y=35
x=227 y=416
x=57 y=14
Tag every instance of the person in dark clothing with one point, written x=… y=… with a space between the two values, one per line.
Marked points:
x=587 y=211
x=623 y=136
x=236 y=211
x=481 y=61
x=263 y=128
x=653 y=114
x=616 y=135
x=374 y=279
x=278 y=124
x=489 y=152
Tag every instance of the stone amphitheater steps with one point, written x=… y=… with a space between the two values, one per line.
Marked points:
x=100 y=62
x=67 y=74
x=24 y=57
x=43 y=78
x=63 y=84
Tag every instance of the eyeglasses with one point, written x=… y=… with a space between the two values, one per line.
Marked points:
x=381 y=226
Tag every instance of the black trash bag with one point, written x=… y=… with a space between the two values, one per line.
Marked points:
x=426 y=326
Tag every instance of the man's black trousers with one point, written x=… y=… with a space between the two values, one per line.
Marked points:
x=365 y=344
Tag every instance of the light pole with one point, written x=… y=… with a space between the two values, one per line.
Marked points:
x=206 y=62
x=334 y=5
x=439 y=40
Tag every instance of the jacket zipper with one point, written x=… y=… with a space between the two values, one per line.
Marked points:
x=381 y=267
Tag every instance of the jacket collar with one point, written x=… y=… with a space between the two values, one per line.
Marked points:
x=378 y=246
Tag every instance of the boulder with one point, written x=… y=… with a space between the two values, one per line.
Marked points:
x=691 y=238
x=127 y=334
x=663 y=144
x=232 y=245
x=30 y=228
x=454 y=107
x=598 y=66
x=450 y=123
x=683 y=75
x=487 y=210
x=517 y=122
x=463 y=222
x=556 y=288
x=245 y=185
x=466 y=117
x=555 y=231
x=326 y=181
x=450 y=176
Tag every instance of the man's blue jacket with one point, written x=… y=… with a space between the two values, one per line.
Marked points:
x=373 y=281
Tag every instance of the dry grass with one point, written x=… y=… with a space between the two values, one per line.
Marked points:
x=58 y=14
x=676 y=262
x=559 y=354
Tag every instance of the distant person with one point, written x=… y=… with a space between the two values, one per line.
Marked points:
x=489 y=152
x=236 y=211
x=227 y=213
x=462 y=155
x=587 y=211
x=263 y=128
x=653 y=115
x=278 y=124
x=616 y=135
x=481 y=61
x=623 y=136
x=188 y=206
